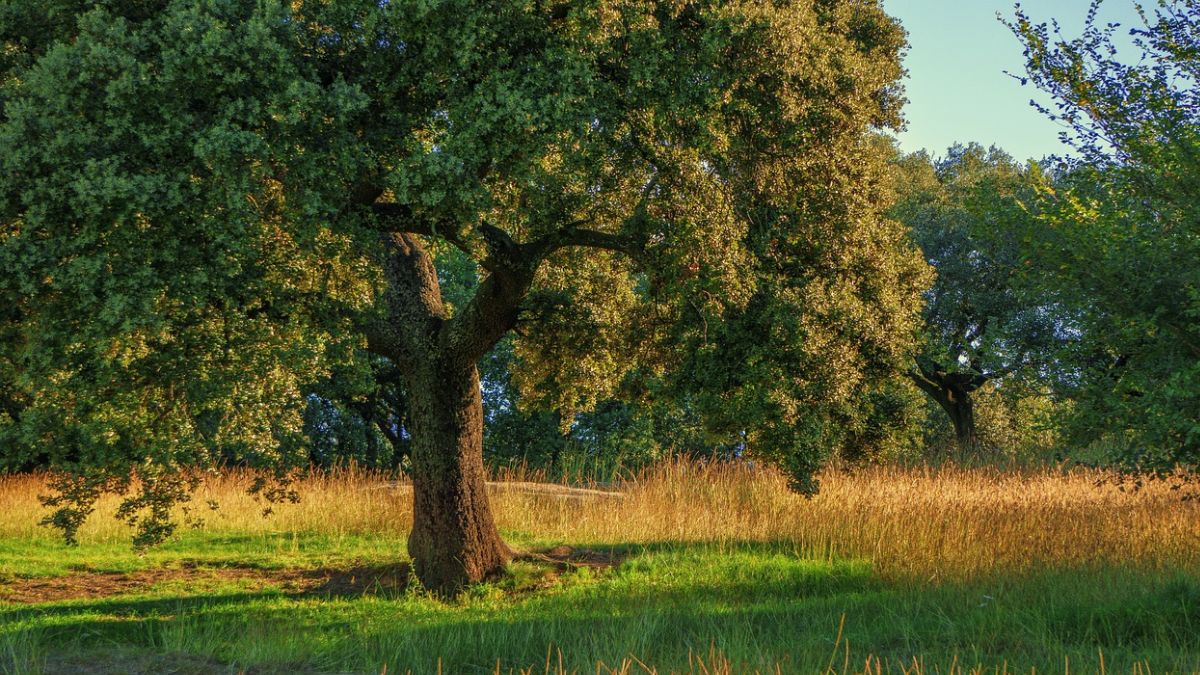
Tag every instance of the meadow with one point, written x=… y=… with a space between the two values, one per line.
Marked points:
x=688 y=568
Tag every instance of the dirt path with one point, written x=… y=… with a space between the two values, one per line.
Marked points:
x=350 y=581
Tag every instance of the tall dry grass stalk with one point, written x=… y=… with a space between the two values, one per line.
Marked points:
x=941 y=523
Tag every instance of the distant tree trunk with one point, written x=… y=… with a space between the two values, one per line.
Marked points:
x=401 y=449
x=372 y=454
x=454 y=540
x=952 y=392
x=961 y=409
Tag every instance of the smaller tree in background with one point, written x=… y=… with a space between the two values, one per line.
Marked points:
x=967 y=212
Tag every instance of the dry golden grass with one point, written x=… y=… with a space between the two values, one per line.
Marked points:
x=945 y=523
x=911 y=523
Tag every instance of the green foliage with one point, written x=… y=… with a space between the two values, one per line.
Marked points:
x=887 y=423
x=795 y=296
x=983 y=323
x=833 y=317
x=1015 y=426
x=1120 y=236
x=967 y=212
x=1021 y=425
x=615 y=437
x=187 y=207
x=174 y=292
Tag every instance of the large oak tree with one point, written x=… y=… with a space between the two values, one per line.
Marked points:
x=208 y=205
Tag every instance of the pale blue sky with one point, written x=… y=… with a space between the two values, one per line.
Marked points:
x=957 y=88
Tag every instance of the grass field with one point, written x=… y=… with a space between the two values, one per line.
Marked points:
x=695 y=569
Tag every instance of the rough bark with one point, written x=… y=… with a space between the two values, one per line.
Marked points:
x=454 y=540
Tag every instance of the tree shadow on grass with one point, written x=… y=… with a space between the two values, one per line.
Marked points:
x=601 y=593
x=197 y=584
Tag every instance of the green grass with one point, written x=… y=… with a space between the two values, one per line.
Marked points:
x=756 y=605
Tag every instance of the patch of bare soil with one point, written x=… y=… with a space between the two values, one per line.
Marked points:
x=566 y=558
x=324 y=581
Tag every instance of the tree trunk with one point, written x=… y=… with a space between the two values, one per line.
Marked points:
x=953 y=394
x=961 y=409
x=454 y=540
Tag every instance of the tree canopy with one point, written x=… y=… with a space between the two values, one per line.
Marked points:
x=969 y=212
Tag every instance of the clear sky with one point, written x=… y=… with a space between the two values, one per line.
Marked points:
x=957 y=89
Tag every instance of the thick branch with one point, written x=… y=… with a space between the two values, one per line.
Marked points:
x=572 y=236
x=964 y=382
x=925 y=383
x=511 y=268
x=413 y=312
x=489 y=316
